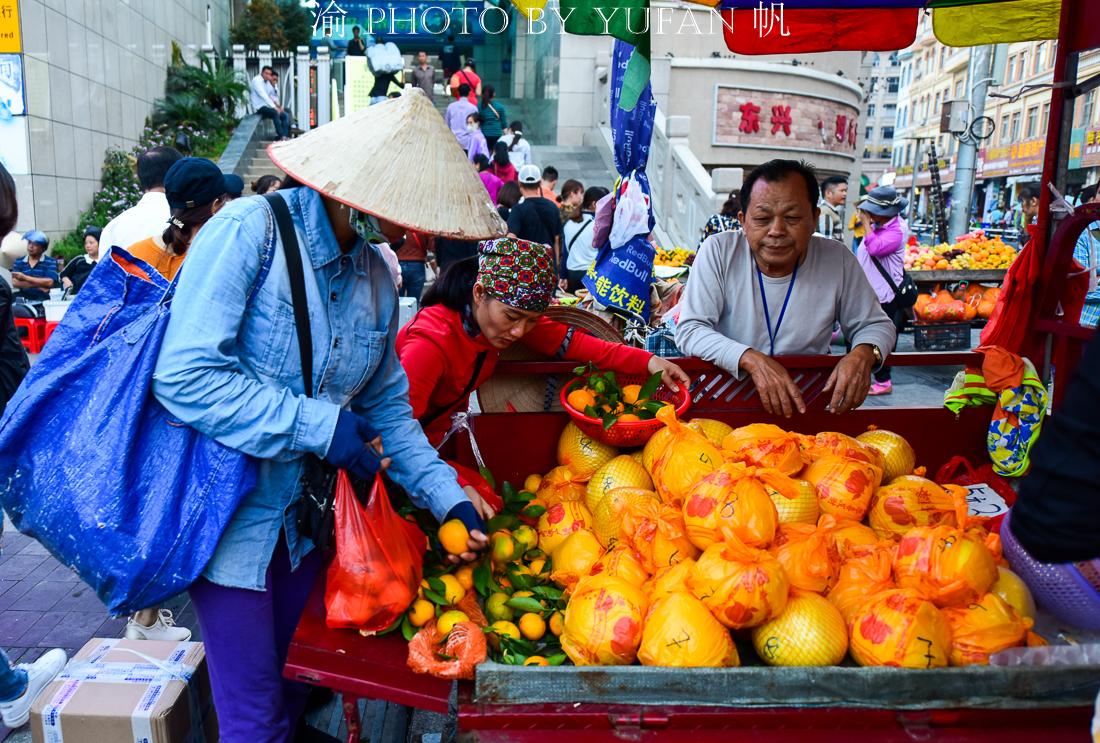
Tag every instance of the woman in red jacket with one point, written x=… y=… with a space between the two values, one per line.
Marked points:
x=481 y=306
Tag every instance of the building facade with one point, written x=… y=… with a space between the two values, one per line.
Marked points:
x=880 y=77
x=90 y=71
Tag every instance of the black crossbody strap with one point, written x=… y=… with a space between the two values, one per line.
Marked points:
x=297 y=285
x=432 y=417
x=885 y=275
x=578 y=234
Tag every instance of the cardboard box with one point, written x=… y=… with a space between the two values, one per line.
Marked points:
x=128 y=690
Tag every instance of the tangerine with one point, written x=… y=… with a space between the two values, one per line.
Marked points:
x=630 y=394
x=454 y=537
x=581 y=399
x=465 y=576
x=448 y=619
x=536 y=660
x=421 y=612
x=532 y=626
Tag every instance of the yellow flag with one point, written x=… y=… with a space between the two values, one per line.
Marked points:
x=997 y=23
x=529 y=7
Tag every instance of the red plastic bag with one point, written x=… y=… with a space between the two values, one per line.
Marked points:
x=959 y=471
x=472 y=478
x=379 y=561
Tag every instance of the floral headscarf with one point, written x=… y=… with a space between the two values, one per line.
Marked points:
x=519 y=273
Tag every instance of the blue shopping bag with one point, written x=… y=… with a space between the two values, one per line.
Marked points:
x=96 y=469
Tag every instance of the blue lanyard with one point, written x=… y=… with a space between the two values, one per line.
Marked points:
x=783 y=311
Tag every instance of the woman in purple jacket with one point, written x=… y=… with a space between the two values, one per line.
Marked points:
x=882 y=255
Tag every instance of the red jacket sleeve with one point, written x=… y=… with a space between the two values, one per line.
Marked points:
x=423 y=362
x=548 y=336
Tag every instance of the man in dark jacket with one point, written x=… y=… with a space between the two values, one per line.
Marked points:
x=13 y=357
x=1057 y=513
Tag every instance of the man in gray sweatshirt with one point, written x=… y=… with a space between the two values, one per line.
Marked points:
x=776 y=289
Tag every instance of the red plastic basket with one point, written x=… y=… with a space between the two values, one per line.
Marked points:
x=628 y=433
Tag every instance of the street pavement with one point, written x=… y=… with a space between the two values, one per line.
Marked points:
x=44 y=605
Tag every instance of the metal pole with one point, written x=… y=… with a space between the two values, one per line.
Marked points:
x=965 y=164
x=913 y=192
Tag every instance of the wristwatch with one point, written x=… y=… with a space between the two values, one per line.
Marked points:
x=877 y=353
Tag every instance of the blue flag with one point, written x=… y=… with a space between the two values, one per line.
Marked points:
x=621 y=276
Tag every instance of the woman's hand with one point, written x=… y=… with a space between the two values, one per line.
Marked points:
x=484 y=509
x=66 y=283
x=477 y=540
x=671 y=374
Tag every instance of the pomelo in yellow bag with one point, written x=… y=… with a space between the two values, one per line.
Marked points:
x=910 y=501
x=987 y=626
x=581 y=453
x=831 y=443
x=561 y=520
x=850 y=534
x=574 y=557
x=861 y=578
x=844 y=486
x=950 y=566
x=900 y=628
x=734 y=496
x=621 y=562
x=1013 y=590
x=765 y=445
x=808 y=555
x=607 y=519
x=669 y=580
x=680 y=632
x=897 y=454
x=742 y=586
x=603 y=622
x=562 y=484
x=620 y=472
x=809 y=632
x=656 y=532
x=686 y=459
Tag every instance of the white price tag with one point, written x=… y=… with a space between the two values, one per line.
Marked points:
x=984 y=501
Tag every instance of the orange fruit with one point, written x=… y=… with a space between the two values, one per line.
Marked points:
x=580 y=399
x=628 y=418
x=532 y=626
x=536 y=660
x=454 y=537
x=465 y=576
x=421 y=612
x=448 y=619
x=557 y=623
x=613 y=410
x=630 y=394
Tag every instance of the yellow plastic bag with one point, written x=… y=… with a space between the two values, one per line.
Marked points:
x=715 y=431
x=1015 y=592
x=561 y=520
x=950 y=566
x=669 y=580
x=742 y=586
x=581 y=453
x=911 y=501
x=900 y=628
x=897 y=454
x=980 y=629
x=574 y=557
x=620 y=472
x=607 y=519
x=861 y=578
x=849 y=535
x=844 y=486
x=808 y=555
x=656 y=532
x=734 y=496
x=809 y=632
x=621 y=562
x=681 y=632
x=765 y=445
x=831 y=443
x=603 y=622
x=687 y=458
x=562 y=484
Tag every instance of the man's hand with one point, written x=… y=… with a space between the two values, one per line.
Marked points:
x=671 y=374
x=563 y=284
x=470 y=513
x=778 y=394
x=851 y=379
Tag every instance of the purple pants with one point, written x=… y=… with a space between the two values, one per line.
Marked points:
x=247 y=634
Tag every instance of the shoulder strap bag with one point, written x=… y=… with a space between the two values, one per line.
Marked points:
x=905 y=296
x=315 y=516
x=579 y=233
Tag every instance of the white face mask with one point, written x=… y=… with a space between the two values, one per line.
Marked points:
x=471 y=127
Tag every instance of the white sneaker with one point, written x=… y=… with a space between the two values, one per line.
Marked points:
x=16 y=712
x=163 y=629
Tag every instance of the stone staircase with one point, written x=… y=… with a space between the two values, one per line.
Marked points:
x=259 y=164
x=589 y=165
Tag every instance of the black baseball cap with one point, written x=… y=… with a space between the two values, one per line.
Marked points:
x=193 y=181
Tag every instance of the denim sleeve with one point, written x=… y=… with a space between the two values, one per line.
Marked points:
x=416 y=466
x=1083 y=255
x=198 y=375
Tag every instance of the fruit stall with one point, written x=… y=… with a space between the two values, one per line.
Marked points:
x=817 y=578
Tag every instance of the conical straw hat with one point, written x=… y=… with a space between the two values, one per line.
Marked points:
x=398 y=161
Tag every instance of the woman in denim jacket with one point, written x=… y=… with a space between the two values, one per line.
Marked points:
x=229 y=366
